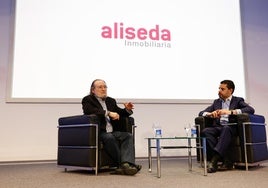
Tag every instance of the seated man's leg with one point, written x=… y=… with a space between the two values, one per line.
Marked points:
x=127 y=146
x=111 y=146
x=212 y=134
x=223 y=145
x=225 y=139
x=128 y=166
x=224 y=135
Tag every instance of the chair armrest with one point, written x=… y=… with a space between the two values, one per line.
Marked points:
x=252 y=125
x=244 y=117
x=127 y=124
x=78 y=119
x=204 y=121
x=79 y=130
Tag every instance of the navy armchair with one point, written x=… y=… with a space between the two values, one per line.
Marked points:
x=79 y=146
x=249 y=147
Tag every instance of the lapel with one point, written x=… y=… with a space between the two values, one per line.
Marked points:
x=232 y=103
x=218 y=104
x=97 y=102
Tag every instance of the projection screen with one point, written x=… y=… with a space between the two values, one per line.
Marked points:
x=147 y=51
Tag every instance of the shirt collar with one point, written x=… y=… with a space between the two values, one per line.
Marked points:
x=228 y=99
x=100 y=99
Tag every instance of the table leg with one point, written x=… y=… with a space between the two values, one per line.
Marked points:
x=158 y=158
x=190 y=164
x=199 y=145
x=204 y=147
x=150 y=155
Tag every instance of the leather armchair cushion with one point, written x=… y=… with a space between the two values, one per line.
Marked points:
x=75 y=130
x=78 y=119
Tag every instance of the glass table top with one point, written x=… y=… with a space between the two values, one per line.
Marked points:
x=174 y=137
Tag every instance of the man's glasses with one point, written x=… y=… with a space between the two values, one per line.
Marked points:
x=101 y=87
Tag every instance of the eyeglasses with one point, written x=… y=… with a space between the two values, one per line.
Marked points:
x=101 y=87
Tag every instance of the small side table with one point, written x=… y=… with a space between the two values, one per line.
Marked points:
x=158 y=147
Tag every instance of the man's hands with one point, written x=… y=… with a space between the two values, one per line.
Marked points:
x=218 y=113
x=113 y=115
x=129 y=105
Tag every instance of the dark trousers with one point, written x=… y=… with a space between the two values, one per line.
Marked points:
x=218 y=139
x=119 y=146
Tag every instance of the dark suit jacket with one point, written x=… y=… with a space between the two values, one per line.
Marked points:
x=91 y=105
x=236 y=103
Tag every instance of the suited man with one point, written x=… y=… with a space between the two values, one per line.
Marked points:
x=219 y=136
x=109 y=113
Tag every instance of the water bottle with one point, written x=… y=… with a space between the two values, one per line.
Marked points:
x=187 y=129
x=193 y=131
x=157 y=130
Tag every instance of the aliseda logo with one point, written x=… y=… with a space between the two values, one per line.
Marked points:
x=138 y=37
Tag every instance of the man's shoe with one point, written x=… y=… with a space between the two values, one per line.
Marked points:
x=226 y=165
x=126 y=169
x=139 y=167
x=118 y=171
x=129 y=169
x=213 y=164
x=212 y=168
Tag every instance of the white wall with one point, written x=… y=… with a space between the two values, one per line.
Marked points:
x=28 y=131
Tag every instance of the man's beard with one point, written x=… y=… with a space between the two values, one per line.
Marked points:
x=103 y=97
